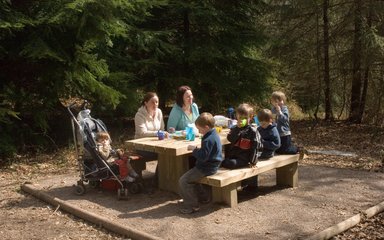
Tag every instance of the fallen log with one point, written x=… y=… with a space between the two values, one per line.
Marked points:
x=88 y=216
x=349 y=223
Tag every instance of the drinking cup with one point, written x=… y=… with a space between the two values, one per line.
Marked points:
x=160 y=135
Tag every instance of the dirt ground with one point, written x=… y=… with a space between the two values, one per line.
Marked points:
x=332 y=188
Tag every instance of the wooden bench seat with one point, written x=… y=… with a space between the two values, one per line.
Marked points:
x=226 y=182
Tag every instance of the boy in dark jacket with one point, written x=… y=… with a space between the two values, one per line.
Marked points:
x=270 y=137
x=245 y=145
x=245 y=141
x=208 y=160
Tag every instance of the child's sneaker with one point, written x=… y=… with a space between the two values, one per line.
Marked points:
x=133 y=174
x=189 y=210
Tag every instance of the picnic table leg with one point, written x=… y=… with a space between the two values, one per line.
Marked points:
x=226 y=194
x=171 y=168
x=288 y=175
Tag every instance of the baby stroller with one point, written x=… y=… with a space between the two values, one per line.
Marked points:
x=93 y=169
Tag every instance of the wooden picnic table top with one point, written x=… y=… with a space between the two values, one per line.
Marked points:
x=175 y=147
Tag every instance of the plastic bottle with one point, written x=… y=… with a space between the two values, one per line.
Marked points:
x=190 y=135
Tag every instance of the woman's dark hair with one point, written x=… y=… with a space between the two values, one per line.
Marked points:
x=148 y=97
x=180 y=94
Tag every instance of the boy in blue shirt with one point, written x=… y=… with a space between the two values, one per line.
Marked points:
x=208 y=160
x=269 y=135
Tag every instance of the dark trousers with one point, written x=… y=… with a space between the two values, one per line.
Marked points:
x=234 y=163
x=286 y=146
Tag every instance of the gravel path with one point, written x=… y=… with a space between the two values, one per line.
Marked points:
x=325 y=197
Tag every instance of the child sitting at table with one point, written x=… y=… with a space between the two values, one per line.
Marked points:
x=245 y=145
x=282 y=120
x=245 y=141
x=208 y=159
x=269 y=135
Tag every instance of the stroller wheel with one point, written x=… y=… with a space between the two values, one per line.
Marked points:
x=122 y=193
x=119 y=192
x=79 y=189
x=134 y=187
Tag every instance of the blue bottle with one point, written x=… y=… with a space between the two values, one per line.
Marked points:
x=190 y=135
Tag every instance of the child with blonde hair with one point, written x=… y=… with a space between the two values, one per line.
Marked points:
x=126 y=171
x=279 y=108
x=208 y=159
x=245 y=146
x=245 y=141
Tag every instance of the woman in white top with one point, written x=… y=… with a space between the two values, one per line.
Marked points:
x=149 y=118
x=148 y=121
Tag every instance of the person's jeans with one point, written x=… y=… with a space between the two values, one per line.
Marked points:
x=234 y=163
x=286 y=146
x=190 y=190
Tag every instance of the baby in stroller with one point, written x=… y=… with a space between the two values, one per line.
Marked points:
x=99 y=164
x=111 y=156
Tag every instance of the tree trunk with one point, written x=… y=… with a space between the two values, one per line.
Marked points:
x=318 y=61
x=367 y=67
x=187 y=43
x=354 y=112
x=327 y=82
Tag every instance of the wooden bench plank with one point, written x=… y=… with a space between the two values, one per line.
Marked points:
x=226 y=182
x=225 y=176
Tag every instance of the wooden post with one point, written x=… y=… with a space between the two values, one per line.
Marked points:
x=288 y=175
x=226 y=194
x=171 y=168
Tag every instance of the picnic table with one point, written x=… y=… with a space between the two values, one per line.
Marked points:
x=172 y=156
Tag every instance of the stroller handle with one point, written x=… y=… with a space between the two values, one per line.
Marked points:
x=83 y=106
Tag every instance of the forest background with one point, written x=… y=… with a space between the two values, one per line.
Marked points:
x=326 y=55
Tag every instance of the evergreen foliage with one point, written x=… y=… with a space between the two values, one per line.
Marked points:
x=51 y=50
x=111 y=52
